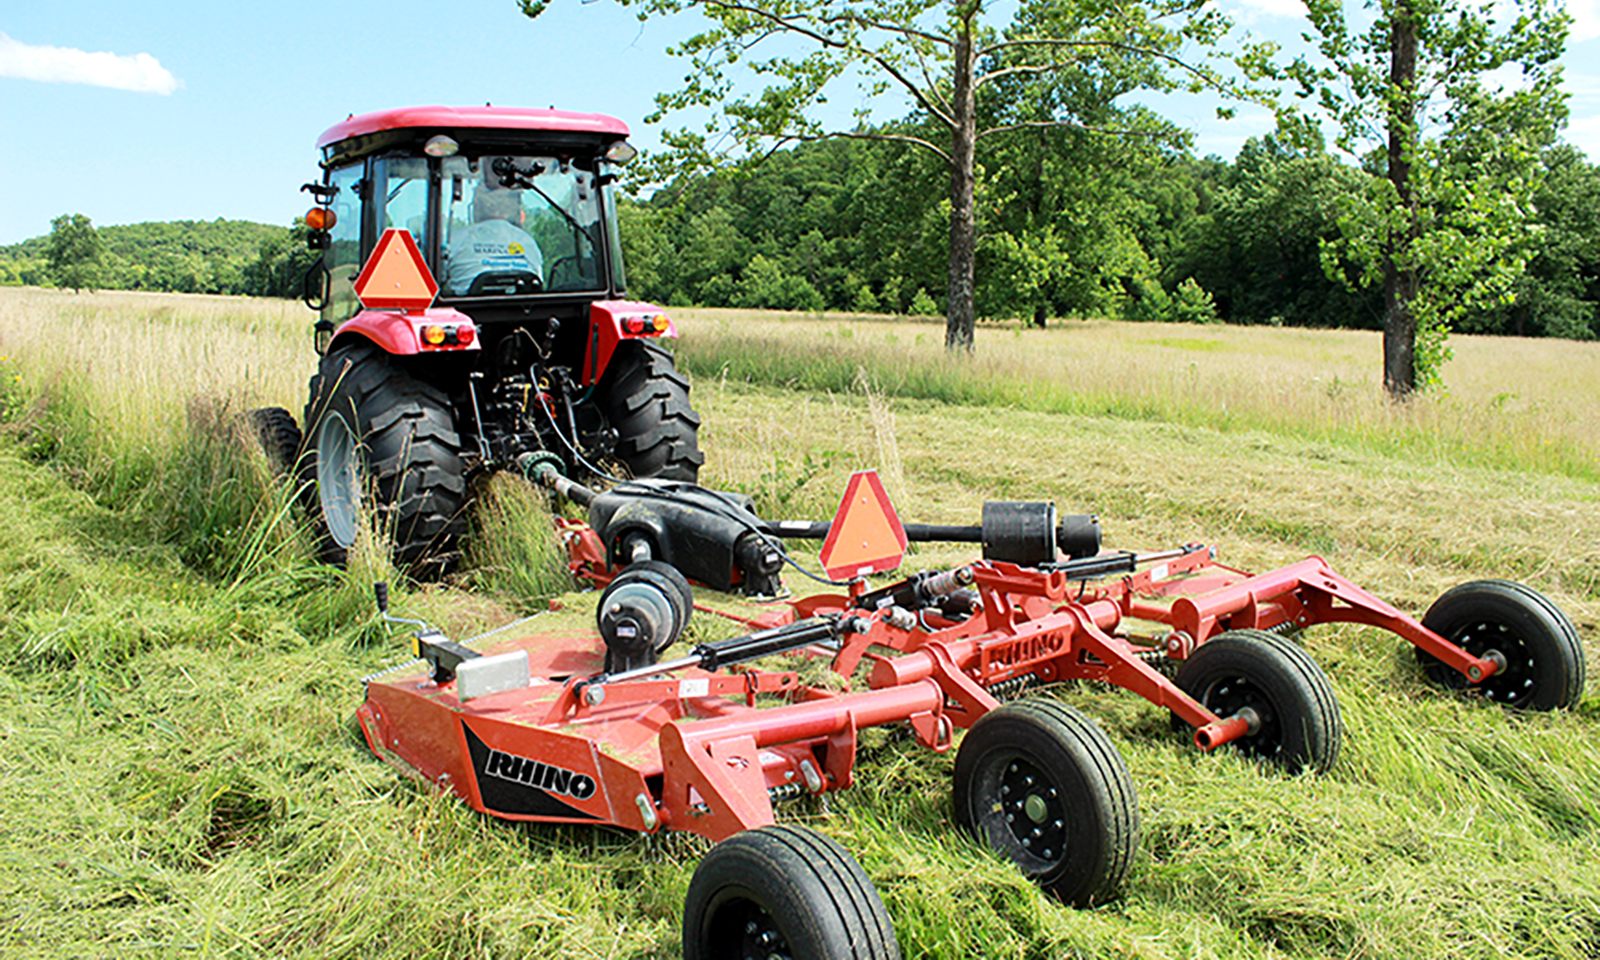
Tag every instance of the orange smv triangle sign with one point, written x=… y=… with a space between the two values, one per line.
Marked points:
x=396 y=275
x=866 y=535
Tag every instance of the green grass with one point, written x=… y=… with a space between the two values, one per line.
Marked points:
x=181 y=774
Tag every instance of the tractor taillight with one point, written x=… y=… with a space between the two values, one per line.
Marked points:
x=644 y=326
x=321 y=218
x=437 y=335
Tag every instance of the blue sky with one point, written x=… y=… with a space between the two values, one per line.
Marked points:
x=134 y=111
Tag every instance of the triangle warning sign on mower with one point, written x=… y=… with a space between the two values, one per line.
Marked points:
x=866 y=535
x=396 y=275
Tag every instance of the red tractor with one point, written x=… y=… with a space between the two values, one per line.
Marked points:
x=514 y=347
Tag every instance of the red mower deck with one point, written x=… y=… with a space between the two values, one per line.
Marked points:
x=536 y=728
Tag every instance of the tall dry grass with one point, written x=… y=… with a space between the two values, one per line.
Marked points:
x=1529 y=404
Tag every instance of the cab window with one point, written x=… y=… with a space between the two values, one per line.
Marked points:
x=404 y=181
x=343 y=255
x=518 y=225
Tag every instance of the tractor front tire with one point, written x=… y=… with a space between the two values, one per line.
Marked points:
x=376 y=433
x=1039 y=783
x=646 y=401
x=784 y=891
x=1544 y=659
x=280 y=438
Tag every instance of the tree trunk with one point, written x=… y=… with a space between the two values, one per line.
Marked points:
x=1400 y=281
x=962 y=315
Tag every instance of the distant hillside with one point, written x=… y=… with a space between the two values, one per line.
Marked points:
x=183 y=256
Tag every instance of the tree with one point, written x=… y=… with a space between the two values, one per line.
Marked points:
x=74 y=252
x=1443 y=231
x=1257 y=248
x=942 y=55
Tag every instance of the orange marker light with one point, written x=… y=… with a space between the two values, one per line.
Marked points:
x=321 y=218
x=661 y=322
x=433 y=334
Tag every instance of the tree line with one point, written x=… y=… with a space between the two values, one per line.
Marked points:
x=1078 y=226
x=1071 y=225
x=183 y=256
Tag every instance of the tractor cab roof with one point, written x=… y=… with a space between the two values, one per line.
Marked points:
x=489 y=126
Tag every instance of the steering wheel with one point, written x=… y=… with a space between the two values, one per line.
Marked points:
x=505 y=283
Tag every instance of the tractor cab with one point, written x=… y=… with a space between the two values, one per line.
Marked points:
x=510 y=208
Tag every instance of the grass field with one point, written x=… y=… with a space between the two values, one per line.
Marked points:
x=181 y=775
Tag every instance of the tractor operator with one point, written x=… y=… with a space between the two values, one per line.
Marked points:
x=495 y=243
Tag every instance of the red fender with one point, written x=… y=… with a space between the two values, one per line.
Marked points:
x=613 y=321
x=399 y=332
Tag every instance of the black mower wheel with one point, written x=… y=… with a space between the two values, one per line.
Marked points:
x=1294 y=714
x=375 y=431
x=280 y=438
x=784 y=892
x=646 y=401
x=1038 y=782
x=1544 y=658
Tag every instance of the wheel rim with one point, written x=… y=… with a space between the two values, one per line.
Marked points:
x=738 y=926
x=338 y=478
x=1231 y=695
x=1023 y=812
x=1517 y=682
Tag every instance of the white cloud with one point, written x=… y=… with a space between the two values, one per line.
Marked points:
x=140 y=73
x=1585 y=20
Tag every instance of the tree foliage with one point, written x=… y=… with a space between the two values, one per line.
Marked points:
x=1075 y=225
x=972 y=80
x=1257 y=246
x=184 y=256
x=74 y=252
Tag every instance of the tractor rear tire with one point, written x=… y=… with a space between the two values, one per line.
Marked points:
x=280 y=438
x=1544 y=658
x=374 y=431
x=1299 y=723
x=646 y=401
x=784 y=891
x=1040 y=783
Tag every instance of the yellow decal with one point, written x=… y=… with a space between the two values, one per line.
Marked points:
x=515 y=248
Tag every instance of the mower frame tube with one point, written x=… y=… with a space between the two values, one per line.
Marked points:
x=1304 y=593
x=720 y=759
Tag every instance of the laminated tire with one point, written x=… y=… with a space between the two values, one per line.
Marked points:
x=1544 y=659
x=784 y=891
x=1296 y=716
x=1039 y=783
